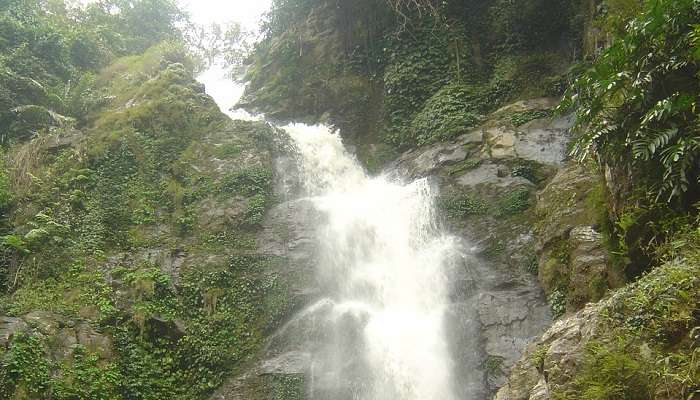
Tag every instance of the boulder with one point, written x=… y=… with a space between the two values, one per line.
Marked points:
x=550 y=362
x=10 y=326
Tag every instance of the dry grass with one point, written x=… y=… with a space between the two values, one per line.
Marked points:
x=25 y=161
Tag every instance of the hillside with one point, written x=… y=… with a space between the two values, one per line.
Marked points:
x=500 y=202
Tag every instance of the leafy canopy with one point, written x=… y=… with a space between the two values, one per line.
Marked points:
x=637 y=104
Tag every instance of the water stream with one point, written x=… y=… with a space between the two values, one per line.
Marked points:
x=383 y=265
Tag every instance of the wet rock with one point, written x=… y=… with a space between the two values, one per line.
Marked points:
x=9 y=327
x=499 y=307
x=562 y=205
x=544 y=140
x=510 y=320
x=159 y=327
x=542 y=103
x=488 y=173
x=571 y=249
x=63 y=344
x=550 y=361
x=63 y=335
x=427 y=160
x=501 y=142
x=45 y=322
x=293 y=362
x=215 y=214
x=93 y=341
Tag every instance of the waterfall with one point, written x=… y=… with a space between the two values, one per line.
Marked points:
x=383 y=268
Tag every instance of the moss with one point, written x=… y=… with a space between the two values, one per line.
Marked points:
x=530 y=170
x=514 y=203
x=493 y=365
x=554 y=268
x=538 y=356
x=286 y=387
x=133 y=191
x=460 y=205
x=495 y=249
x=613 y=372
x=648 y=347
x=464 y=166
x=521 y=118
x=450 y=112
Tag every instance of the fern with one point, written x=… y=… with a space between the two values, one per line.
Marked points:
x=636 y=106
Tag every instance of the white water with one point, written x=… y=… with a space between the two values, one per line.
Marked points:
x=383 y=263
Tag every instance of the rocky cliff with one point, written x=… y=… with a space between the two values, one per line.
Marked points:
x=140 y=262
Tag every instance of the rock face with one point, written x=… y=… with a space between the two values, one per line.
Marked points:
x=288 y=233
x=549 y=361
x=496 y=183
x=64 y=334
x=573 y=259
x=489 y=179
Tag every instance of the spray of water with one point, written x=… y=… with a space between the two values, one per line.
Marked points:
x=383 y=263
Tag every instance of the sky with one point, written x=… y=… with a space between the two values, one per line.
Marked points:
x=245 y=12
x=226 y=92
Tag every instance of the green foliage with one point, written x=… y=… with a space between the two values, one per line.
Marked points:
x=68 y=294
x=530 y=170
x=636 y=105
x=390 y=72
x=514 y=202
x=5 y=191
x=650 y=342
x=256 y=210
x=529 y=24
x=417 y=67
x=286 y=387
x=616 y=14
x=495 y=249
x=463 y=166
x=524 y=117
x=448 y=113
x=250 y=182
x=25 y=368
x=613 y=371
x=661 y=305
x=557 y=303
x=459 y=206
x=493 y=365
x=50 y=51
x=539 y=356
x=134 y=180
x=87 y=377
x=533 y=264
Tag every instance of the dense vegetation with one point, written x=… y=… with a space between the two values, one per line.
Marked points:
x=129 y=204
x=113 y=159
x=50 y=53
x=382 y=76
x=415 y=72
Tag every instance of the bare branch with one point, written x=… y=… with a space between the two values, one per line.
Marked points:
x=422 y=7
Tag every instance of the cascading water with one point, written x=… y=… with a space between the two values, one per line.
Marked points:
x=383 y=265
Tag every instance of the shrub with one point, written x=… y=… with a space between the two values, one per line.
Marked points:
x=514 y=202
x=613 y=372
x=458 y=206
x=449 y=112
x=636 y=105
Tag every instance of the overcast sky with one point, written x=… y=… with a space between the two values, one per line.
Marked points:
x=246 y=12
